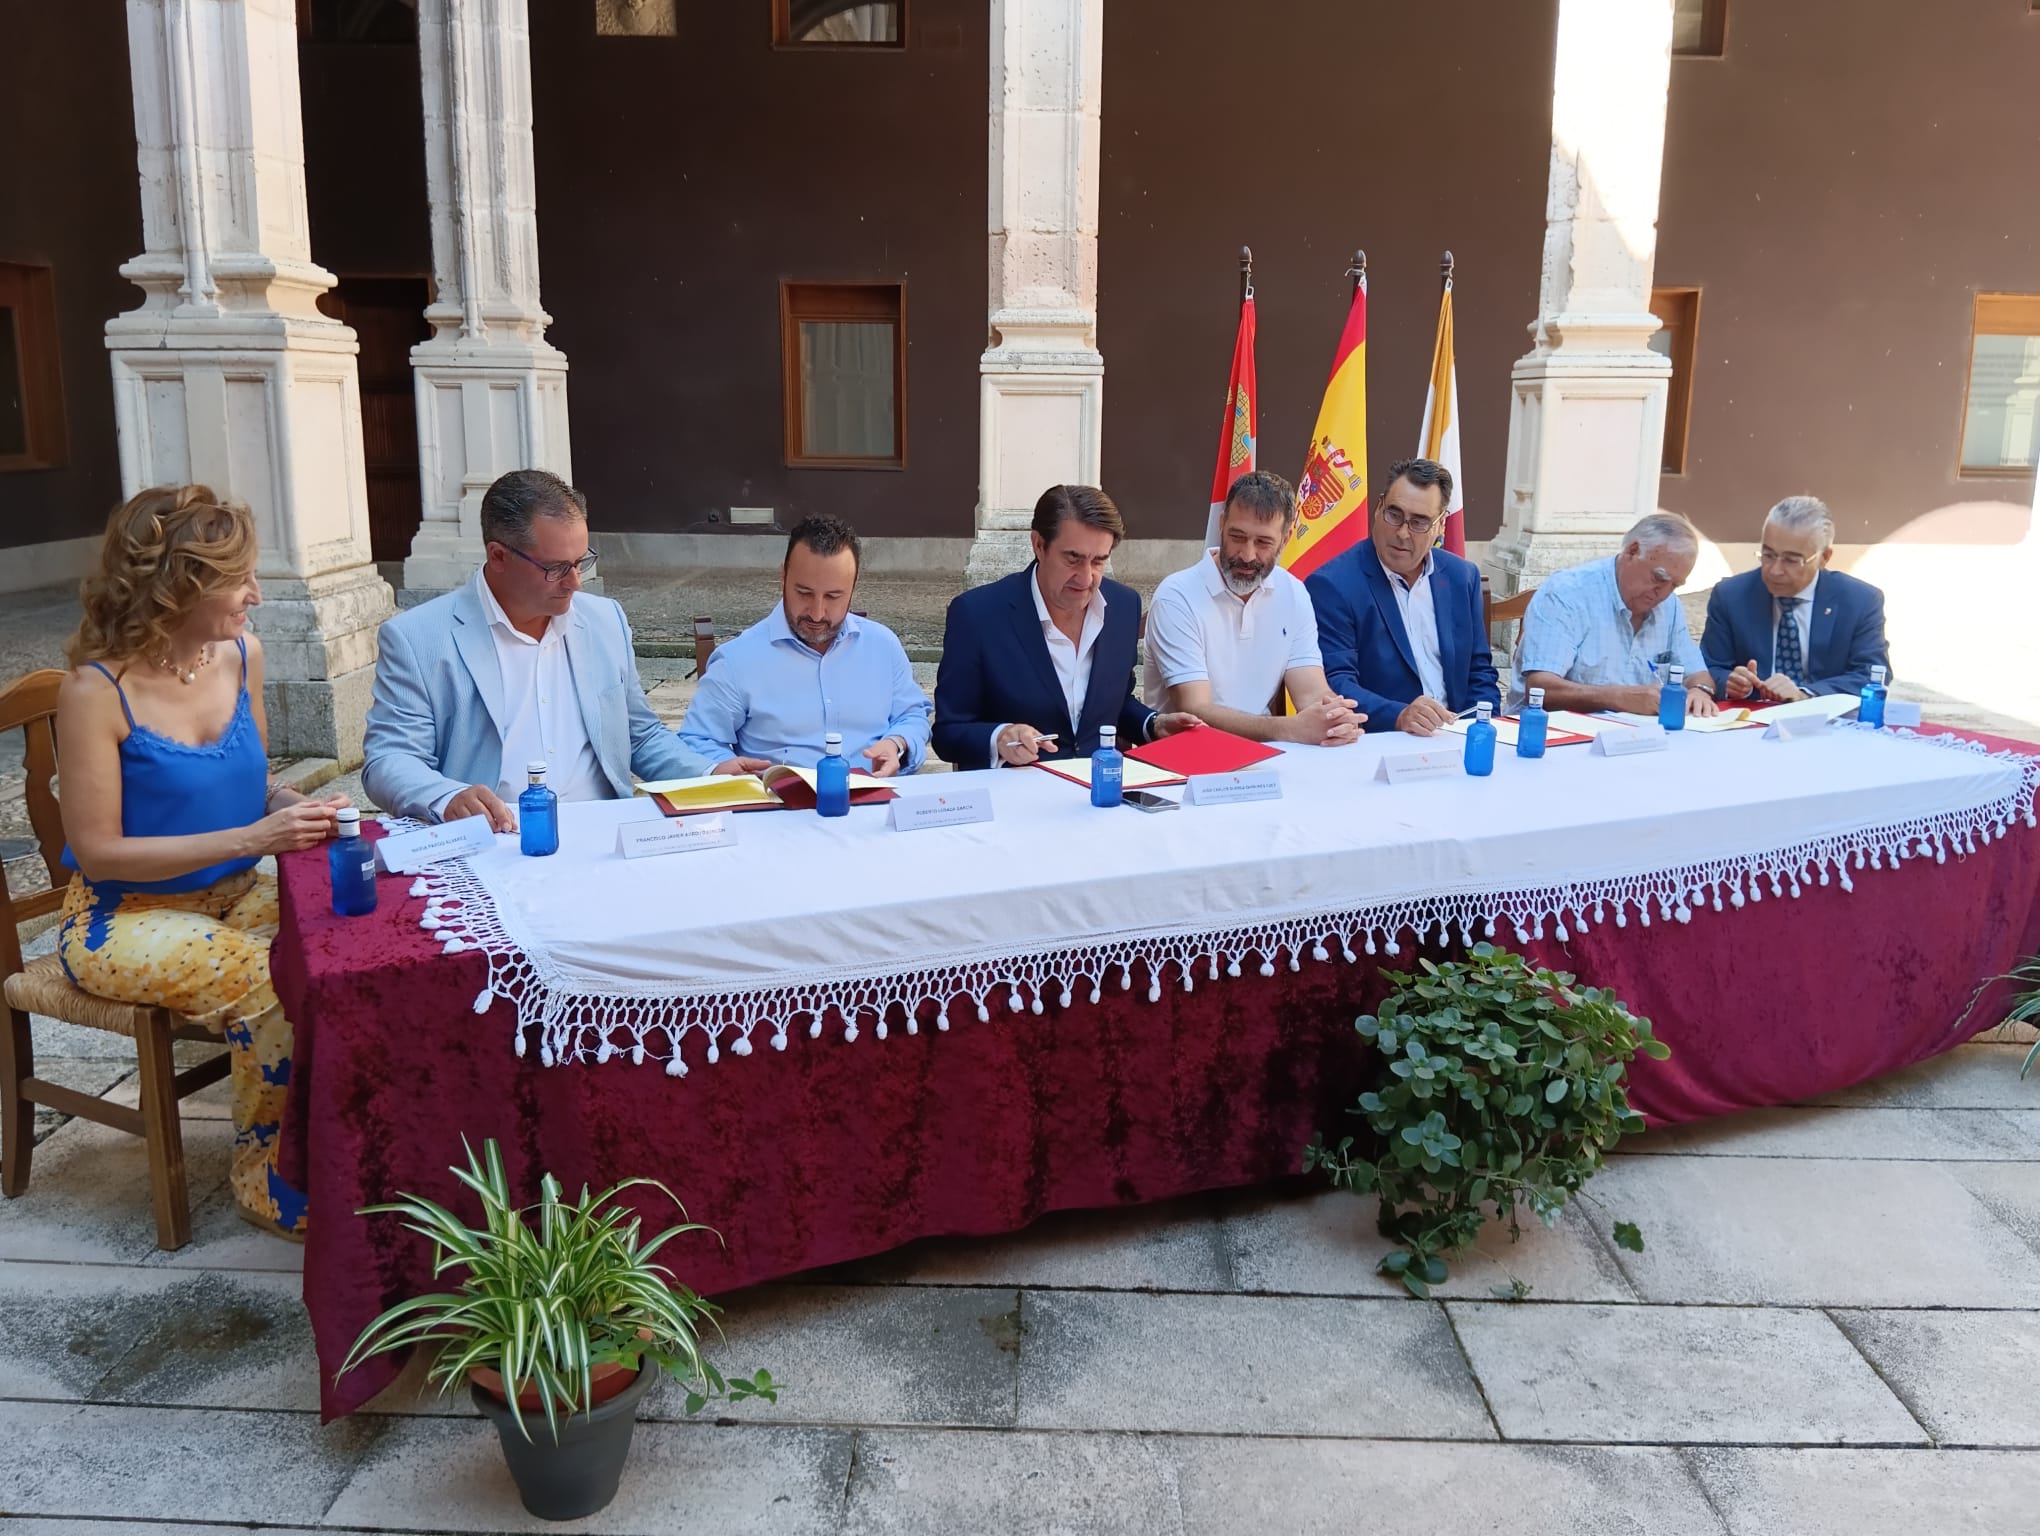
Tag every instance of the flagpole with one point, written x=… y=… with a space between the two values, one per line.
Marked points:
x=1357 y=270
x=1246 y=273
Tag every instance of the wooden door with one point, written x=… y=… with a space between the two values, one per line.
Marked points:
x=388 y=315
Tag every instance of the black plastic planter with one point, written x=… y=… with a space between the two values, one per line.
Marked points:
x=579 y=1474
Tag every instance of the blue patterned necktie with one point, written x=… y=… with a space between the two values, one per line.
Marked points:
x=1790 y=659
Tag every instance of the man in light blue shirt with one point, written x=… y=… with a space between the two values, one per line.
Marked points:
x=810 y=667
x=1602 y=635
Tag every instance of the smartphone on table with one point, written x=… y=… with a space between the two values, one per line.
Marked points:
x=1148 y=800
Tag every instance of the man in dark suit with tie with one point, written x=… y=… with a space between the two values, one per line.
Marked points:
x=1792 y=627
x=1399 y=621
x=1037 y=662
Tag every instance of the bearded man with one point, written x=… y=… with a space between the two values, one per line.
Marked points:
x=1227 y=637
x=1399 y=619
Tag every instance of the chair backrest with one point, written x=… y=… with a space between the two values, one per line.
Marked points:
x=29 y=705
x=704 y=643
x=1508 y=610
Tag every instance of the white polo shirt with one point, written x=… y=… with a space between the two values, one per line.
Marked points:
x=1198 y=631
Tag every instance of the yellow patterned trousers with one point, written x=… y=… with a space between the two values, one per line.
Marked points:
x=203 y=954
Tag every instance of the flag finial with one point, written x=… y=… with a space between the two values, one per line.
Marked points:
x=1246 y=273
x=1357 y=269
x=1445 y=269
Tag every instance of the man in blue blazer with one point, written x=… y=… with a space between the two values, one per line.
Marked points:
x=1037 y=662
x=1399 y=621
x=1792 y=627
x=518 y=666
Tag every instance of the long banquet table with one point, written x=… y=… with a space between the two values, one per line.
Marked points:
x=833 y=1139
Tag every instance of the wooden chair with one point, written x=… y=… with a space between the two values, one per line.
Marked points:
x=1508 y=610
x=704 y=644
x=29 y=705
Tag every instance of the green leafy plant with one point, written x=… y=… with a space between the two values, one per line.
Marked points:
x=1501 y=1087
x=544 y=1305
x=2025 y=1007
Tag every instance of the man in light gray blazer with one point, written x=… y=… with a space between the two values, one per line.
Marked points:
x=516 y=667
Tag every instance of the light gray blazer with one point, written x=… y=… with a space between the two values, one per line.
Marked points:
x=436 y=725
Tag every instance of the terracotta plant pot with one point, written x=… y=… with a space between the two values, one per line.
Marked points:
x=605 y=1382
x=577 y=1474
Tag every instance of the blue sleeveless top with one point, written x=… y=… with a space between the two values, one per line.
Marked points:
x=172 y=789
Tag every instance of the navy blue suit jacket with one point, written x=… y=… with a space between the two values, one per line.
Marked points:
x=1846 y=637
x=1367 y=648
x=996 y=671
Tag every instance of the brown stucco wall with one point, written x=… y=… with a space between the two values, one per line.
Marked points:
x=679 y=180
x=1840 y=185
x=69 y=197
x=1400 y=128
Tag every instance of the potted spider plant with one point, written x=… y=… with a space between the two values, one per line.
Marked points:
x=561 y=1309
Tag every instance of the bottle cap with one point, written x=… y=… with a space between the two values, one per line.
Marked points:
x=1108 y=735
x=1537 y=698
x=1483 y=709
x=1877 y=674
x=1676 y=673
x=833 y=742
x=349 y=819
x=537 y=772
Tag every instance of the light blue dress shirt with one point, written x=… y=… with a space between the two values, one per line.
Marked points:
x=1578 y=628
x=768 y=694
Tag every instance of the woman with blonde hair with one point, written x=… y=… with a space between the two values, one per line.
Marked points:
x=163 y=775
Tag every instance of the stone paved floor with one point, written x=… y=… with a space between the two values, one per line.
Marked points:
x=1835 y=1328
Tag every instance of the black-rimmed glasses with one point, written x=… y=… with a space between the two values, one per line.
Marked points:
x=557 y=572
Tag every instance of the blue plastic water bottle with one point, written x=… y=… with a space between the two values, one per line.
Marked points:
x=1533 y=725
x=538 y=816
x=1671 y=700
x=1108 y=768
x=1871 y=710
x=1480 y=741
x=832 y=778
x=351 y=862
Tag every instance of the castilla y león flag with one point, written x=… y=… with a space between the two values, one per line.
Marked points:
x=1331 y=493
x=1440 y=437
x=1239 y=432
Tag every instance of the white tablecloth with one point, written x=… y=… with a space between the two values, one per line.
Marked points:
x=1054 y=897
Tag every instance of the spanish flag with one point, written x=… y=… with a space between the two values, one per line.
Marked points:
x=1440 y=437
x=1331 y=493
x=1239 y=433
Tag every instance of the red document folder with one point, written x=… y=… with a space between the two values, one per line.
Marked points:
x=1207 y=749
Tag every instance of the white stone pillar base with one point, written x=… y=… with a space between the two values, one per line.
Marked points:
x=1040 y=405
x=483 y=410
x=318 y=641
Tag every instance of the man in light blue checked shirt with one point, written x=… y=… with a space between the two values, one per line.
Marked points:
x=809 y=667
x=1600 y=636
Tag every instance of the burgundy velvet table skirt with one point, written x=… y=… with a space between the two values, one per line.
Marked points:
x=831 y=1151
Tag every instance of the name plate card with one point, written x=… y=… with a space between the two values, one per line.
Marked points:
x=1796 y=727
x=1634 y=739
x=1413 y=767
x=951 y=808
x=1233 y=788
x=405 y=853
x=682 y=834
x=1897 y=712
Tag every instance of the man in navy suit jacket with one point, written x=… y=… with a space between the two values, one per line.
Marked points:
x=1399 y=621
x=1048 y=651
x=1837 y=632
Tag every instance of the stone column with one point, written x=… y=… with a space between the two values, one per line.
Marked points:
x=492 y=391
x=1587 y=422
x=227 y=373
x=1042 y=382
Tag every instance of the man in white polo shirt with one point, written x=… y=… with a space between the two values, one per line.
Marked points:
x=1225 y=636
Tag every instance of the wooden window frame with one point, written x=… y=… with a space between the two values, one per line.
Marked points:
x=1713 y=42
x=29 y=291
x=1993 y=314
x=782 y=33
x=1678 y=309
x=805 y=299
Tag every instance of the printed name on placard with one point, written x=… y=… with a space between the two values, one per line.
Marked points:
x=1410 y=767
x=1233 y=788
x=951 y=808
x=1633 y=739
x=1796 y=727
x=405 y=853
x=655 y=834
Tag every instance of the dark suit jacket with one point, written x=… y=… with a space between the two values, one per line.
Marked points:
x=996 y=671
x=1846 y=637
x=1367 y=648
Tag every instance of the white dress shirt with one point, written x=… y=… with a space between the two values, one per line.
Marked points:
x=542 y=710
x=1420 y=622
x=1071 y=659
x=1200 y=631
x=1802 y=618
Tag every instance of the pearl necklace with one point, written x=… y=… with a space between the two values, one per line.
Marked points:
x=187 y=676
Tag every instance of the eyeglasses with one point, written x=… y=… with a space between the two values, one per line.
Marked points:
x=1788 y=561
x=557 y=572
x=1404 y=522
